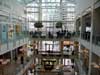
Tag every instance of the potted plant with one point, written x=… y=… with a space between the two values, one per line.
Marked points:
x=38 y=24
x=59 y=24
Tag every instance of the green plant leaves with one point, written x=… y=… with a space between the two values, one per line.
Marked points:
x=38 y=24
x=59 y=24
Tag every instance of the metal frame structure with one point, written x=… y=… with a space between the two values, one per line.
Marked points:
x=52 y=11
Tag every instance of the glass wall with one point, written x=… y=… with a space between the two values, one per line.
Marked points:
x=51 y=11
x=12 y=28
x=3 y=28
x=50 y=46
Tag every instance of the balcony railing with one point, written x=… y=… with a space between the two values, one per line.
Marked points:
x=50 y=35
x=96 y=40
x=62 y=70
x=47 y=72
x=85 y=36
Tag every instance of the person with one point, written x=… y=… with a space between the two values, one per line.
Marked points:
x=30 y=69
x=22 y=59
x=65 y=48
x=15 y=59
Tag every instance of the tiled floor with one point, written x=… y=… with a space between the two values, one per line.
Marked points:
x=11 y=68
x=30 y=73
x=8 y=69
x=14 y=68
x=67 y=71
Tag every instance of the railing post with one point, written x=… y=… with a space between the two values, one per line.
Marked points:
x=91 y=38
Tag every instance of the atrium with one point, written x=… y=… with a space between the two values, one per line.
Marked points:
x=49 y=37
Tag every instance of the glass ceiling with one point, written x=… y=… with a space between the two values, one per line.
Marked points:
x=43 y=1
x=51 y=11
x=24 y=2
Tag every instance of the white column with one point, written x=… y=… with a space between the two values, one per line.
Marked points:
x=8 y=38
x=91 y=37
